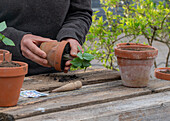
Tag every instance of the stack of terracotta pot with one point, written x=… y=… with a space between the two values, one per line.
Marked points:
x=11 y=80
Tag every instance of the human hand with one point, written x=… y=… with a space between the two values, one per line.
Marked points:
x=30 y=49
x=73 y=52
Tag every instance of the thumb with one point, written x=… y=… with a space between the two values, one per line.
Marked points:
x=74 y=47
x=73 y=51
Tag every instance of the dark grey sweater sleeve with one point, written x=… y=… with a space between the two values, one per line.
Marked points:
x=16 y=36
x=77 y=22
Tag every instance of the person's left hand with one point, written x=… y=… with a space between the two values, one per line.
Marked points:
x=74 y=50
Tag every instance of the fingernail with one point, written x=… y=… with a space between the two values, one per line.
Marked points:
x=45 y=62
x=74 y=53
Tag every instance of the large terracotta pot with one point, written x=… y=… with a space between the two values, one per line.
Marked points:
x=135 y=64
x=163 y=73
x=11 y=80
x=7 y=55
x=55 y=51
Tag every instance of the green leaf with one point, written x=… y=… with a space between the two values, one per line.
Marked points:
x=72 y=66
x=2 y=26
x=80 y=55
x=88 y=56
x=86 y=64
x=77 y=62
x=8 y=41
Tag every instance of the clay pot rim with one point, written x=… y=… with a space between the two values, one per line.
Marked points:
x=7 y=55
x=136 y=46
x=161 y=75
x=11 y=68
x=157 y=70
x=130 y=54
x=2 y=50
x=22 y=70
x=162 y=69
x=57 y=63
x=130 y=44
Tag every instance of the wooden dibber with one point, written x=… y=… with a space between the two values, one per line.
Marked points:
x=69 y=87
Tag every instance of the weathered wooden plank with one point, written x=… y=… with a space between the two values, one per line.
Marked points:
x=91 y=89
x=95 y=94
x=45 y=82
x=158 y=85
x=86 y=89
x=154 y=86
x=154 y=107
x=88 y=95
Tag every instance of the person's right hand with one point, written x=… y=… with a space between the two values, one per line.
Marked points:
x=30 y=49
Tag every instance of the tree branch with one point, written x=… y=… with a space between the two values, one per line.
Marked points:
x=167 y=58
x=147 y=37
x=163 y=22
x=153 y=35
x=122 y=38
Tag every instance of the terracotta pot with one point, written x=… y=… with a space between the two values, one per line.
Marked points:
x=135 y=66
x=55 y=51
x=161 y=75
x=7 y=55
x=11 y=79
x=131 y=44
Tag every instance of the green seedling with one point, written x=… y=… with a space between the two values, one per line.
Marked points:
x=81 y=61
x=4 y=39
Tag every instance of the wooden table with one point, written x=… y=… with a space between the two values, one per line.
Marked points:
x=102 y=98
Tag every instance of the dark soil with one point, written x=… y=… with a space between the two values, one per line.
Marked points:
x=137 y=49
x=166 y=72
x=6 y=117
x=47 y=82
x=9 y=64
x=66 y=51
x=127 y=44
x=68 y=78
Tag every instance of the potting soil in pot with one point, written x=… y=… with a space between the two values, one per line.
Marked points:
x=9 y=64
x=137 y=49
x=166 y=71
x=66 y=51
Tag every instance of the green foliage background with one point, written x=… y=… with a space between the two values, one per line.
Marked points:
x=140 y=18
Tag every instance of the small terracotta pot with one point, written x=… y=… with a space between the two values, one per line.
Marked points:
x=55 y=51
x=7 y=55
x=11 y=79
x=131 y=44
x=161 y=75
x=135 y=64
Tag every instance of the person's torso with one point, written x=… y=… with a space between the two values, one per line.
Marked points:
x=40 y=17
